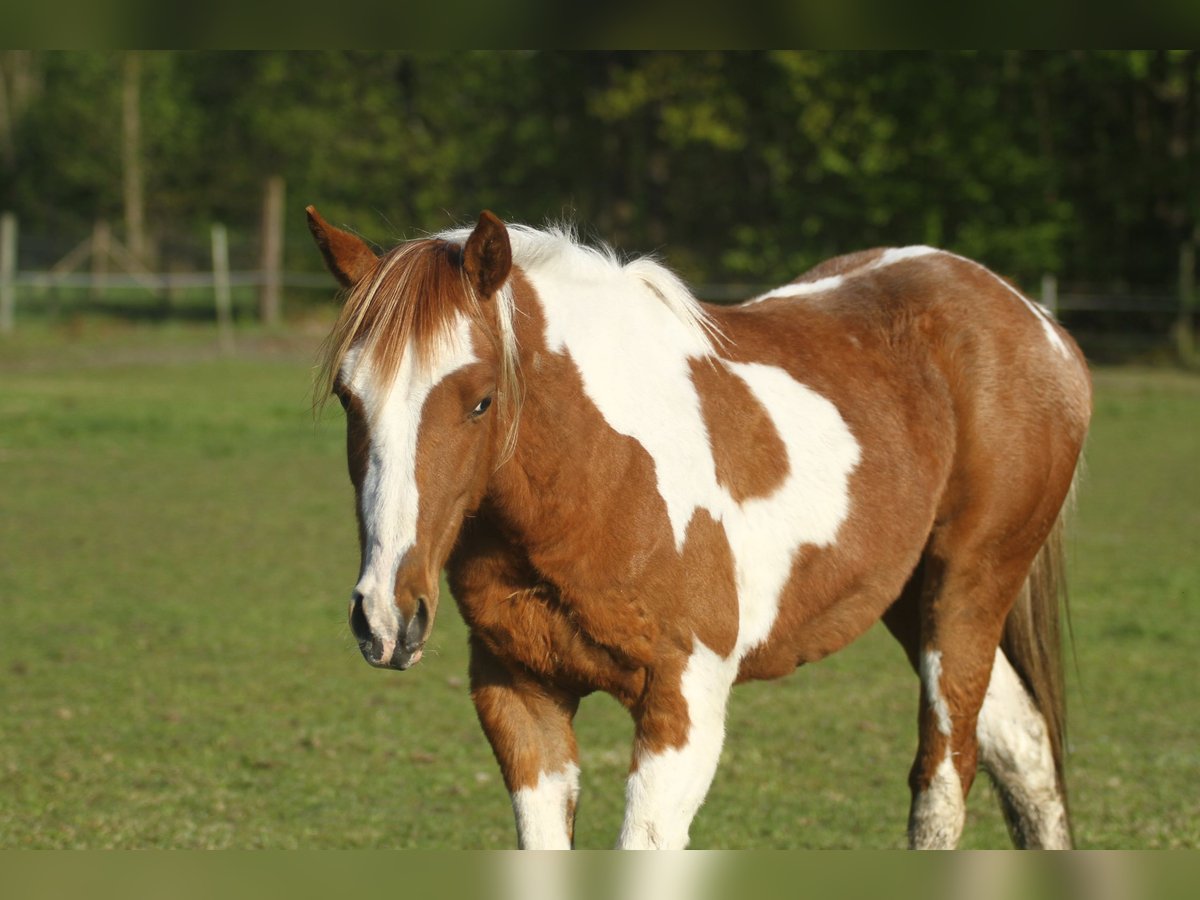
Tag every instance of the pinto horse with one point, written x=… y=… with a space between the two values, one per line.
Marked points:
x=634 y=492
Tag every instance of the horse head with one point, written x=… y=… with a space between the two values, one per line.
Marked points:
x=418 y=363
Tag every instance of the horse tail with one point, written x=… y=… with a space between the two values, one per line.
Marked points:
x=1033 y=638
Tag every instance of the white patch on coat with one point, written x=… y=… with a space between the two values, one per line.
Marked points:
x=541 y=811
x=809 y=507
x=931 y=681
x=1045 y=319
x=663 y=795
x=389 y=499
x=1014 y=747
x=900 y=254
x=804 y=288
x=938 y=812
x=557 y=249
x=633 y=353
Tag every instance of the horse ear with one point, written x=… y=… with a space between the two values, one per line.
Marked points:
x=347 y=255
x=487 y=256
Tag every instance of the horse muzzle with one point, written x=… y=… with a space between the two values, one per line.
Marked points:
x=401 y=650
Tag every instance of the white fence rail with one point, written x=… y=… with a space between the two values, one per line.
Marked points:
x=165 y=281
x=101 y=265
x=103 y=253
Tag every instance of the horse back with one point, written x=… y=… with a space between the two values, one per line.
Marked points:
x=964 y=397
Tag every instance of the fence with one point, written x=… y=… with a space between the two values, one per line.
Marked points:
x=1162 y=314
x=102 y=267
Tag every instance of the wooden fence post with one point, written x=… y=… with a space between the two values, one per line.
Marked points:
x=270 y=298
x=1050 y=293
x=8 y=271
x=221 y=293
x=101 y=251
x=1185 y=341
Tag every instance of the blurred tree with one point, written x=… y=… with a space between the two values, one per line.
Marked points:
x=131 y=154
x=747 y=166
x=20 y=83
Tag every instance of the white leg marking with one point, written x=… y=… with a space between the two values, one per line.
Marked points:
x=389 y=498
x=541 y=811
x=1014 y=748
x=664 y=794
x=931 y=680
x=938 y=811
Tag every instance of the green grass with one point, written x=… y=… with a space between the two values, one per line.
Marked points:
x=177 y=543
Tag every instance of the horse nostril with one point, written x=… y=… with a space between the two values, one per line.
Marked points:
x=415 y=632
x=358 y=618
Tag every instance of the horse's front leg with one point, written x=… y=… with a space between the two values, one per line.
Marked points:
x=528 y=724
x=680 y=731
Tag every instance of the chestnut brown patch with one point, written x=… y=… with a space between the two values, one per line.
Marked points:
x=527 y=722
x=749 y=455
x=709 y=585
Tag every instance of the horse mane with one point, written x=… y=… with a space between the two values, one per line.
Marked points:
x=413 y=296
x=416 y=292
x=557 y=248
x=418 y=289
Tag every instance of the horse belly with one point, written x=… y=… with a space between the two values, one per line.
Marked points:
x=830 y=599
x=835 y=591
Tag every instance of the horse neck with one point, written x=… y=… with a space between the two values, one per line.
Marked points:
x=587 y=361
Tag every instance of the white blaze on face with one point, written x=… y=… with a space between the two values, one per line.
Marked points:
x=389 y=498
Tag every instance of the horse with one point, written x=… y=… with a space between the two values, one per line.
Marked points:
x=635 y=492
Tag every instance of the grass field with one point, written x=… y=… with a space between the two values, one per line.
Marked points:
x=177 y=542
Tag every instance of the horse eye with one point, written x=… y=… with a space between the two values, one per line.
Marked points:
x=481 y=406
x=343 y=398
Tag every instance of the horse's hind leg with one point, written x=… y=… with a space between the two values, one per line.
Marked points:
x=1015 y=749
x=961 y=619
x=1010 y=737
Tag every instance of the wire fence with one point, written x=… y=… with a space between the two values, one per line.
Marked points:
x=230 y=283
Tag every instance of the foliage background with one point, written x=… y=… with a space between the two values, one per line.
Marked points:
x=749 y=166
